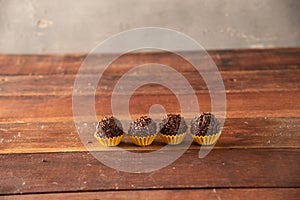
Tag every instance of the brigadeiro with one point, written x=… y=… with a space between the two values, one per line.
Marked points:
x=205 y=129
x=109 y=131
x=172 y=129
x=142 y=131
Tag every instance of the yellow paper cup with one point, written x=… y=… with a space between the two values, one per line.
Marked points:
x=207 y=140
x=172 y=139
x=142 y=141
x=109 y=142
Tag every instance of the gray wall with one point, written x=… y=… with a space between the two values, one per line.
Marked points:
x=67 y=26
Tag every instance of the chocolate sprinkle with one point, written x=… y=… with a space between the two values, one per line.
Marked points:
x=109 y=127
x=205 y=124
x=173 y=124
x=142 y=127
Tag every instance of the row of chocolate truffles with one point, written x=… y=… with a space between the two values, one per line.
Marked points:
x=205 y=129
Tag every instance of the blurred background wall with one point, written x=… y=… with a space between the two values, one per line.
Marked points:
x=68 y=26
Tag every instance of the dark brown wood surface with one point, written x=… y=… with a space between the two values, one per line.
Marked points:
x=257 y=155
x=62 y=137
x=62 y=172
x=177 y=194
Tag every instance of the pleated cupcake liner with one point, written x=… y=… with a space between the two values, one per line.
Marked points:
x=207 y=140
x=109 y=142
x=142 y=141
x=172 y=139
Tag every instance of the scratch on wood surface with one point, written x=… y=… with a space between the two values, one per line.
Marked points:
x=217 y=195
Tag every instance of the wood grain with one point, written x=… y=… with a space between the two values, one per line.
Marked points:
x=60 y=172
x=247 y=59
x=210 y=194
x=257 y=155
x=248 y=104
x=234 y=81
x=62 y=137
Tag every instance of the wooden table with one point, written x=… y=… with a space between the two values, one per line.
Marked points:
x=256 y=157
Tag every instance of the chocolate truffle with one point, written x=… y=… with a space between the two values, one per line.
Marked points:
x=204 y=125
x=173 y=124
x=142 y=127
x=109 y=127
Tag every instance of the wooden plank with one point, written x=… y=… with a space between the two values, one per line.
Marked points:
x=258 y=58
x=210 y=194
x=225 y=59
x=62 y=136
x=60 y=172
x=247 y=104
x=234 y=81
